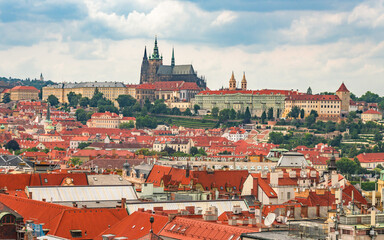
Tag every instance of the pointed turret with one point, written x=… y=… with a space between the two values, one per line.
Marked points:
x=155 y=54
x=232 y=82
x=342 y=88
x=173 y=58
x=41 y=77
x=332 y=164
x=244 y=83
x=145 y=54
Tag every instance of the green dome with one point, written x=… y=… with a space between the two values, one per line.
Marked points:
x=2 y=126
x=50 y=127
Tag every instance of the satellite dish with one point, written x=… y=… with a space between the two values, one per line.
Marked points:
x=270 y=219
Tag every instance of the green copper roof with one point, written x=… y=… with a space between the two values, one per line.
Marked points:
x=2 y=126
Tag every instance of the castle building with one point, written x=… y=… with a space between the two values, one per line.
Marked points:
x=153 y=70
x=258 y=101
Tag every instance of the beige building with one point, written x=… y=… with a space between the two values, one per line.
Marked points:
x=328 y=107
x=110 y=90
x=371 y=115
x=108 y=120
x=24 y=93
x=178 y=144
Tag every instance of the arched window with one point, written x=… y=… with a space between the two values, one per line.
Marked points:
x=9 y=218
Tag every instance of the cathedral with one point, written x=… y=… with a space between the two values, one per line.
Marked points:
x=153 y=70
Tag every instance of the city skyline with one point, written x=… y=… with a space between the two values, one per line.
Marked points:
x=278 y=44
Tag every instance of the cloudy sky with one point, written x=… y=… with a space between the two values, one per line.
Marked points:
x=280 y=44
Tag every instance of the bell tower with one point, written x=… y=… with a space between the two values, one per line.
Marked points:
x=232 y=83
x=244 y=83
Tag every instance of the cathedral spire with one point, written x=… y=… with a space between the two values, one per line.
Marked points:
x=173 y=58
x=155 y=54
x=145 y=53
x=244 y=83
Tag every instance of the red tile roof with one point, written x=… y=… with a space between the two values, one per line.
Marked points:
x=370 y=157
x=371 y=111
x=146 y=86
x=157 y=174
x=189 y=228
x=313 y=98
x=24 y=88
x=254 y=92
x=109 y=114
x=221 y=179
x=342 y=88
x=136 y=225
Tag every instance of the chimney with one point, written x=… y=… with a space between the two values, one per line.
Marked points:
x=373 y=198
x=123 y=202
x=334 y=179
x=140 y=209
x=190 y=209
x=255 y=187
x=30 y=195
x=74 y=204
x=373 y=218
x=274 y=178
x=43 y=200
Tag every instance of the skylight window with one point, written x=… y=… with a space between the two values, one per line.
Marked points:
x=231 y=237
x=174 y=225
x=133 y=226
x=141 y=228
x=45 y=180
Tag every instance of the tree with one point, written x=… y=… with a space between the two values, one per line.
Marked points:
x=53 y=100
x=309 y=91
x=127 y=125
x=84 y=102
x=224 y=115
x=82 y=115
x=215 y=112
x=232 y=114
x=12 y=145
x=175 y=111
x=295 y=111
x=73 y=99
x=345 y=165
x=125 y=101
x=194 y=151
x=76 y=161
x=196 y=108
x=6 y=98
x=270 y=114
x=263 y=117
x=83 y=145
x=187 y=112
x=159 y=107
x=370 y=97
x=247 y=116
x=302 y=113
x=276 y=137
x=378 y=137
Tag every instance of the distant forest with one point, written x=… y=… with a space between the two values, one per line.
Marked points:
x=26 y=82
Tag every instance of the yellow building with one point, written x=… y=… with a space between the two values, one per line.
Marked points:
x=328 y=107
x=371 y=115
x=110 y=90
x=24 y=93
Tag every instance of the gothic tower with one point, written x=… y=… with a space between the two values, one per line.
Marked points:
x=144 y=68
x=244 y=83
x=155 y=60
x=41 y=77
x=173 y=58
x=345 y=97
x=232 y=83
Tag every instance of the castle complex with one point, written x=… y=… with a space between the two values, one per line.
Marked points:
x=153 y=70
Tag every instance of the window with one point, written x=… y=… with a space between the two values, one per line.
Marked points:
x=288 y=195
x=8 y=219
x=45 y=180
x=76 y=233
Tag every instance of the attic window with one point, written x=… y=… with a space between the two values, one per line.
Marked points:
x=141 y=228
x=272 y=193
x=234 y=188
x=45 y=180
x=133 y=226
x=221 y=188
x=231 y=237
x=76 y=233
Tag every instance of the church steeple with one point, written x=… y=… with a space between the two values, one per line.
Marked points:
x=244 y=83
x=48 y=113
x=41 y=77
x=155 y=54
x=145 y=54
x=173 y=58
x=232 y=82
